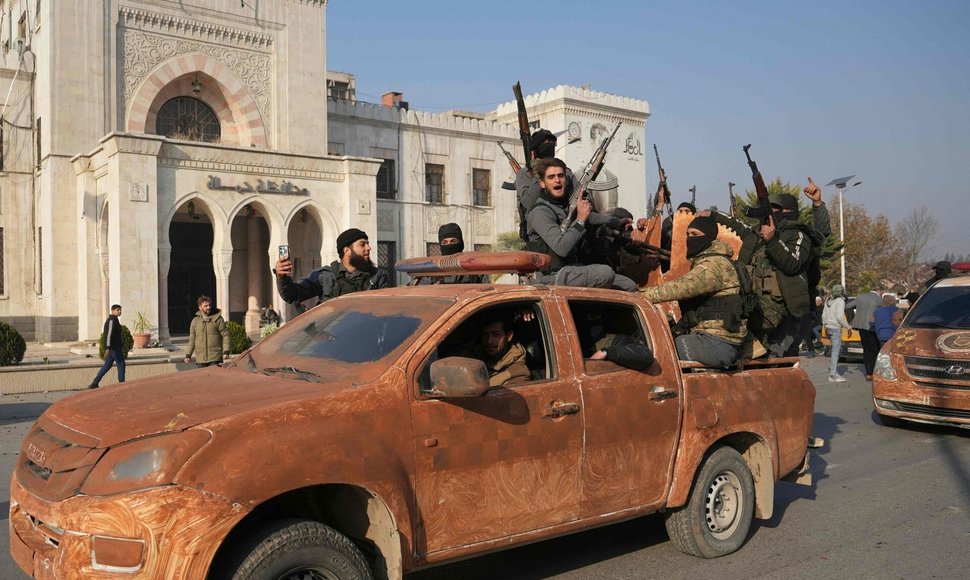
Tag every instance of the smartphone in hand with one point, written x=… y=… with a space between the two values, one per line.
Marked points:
x=284 y=252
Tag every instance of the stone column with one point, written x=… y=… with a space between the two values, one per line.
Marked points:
x=222 y=263
x=164 y=262
x=103 y=260
x=254 y=277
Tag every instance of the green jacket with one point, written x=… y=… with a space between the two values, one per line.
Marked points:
x=508 y=369
x=710 y=275
x=208 y=337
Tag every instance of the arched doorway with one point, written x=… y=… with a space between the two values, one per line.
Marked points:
x=305 y=237
x=250 y=281
x=191 y=272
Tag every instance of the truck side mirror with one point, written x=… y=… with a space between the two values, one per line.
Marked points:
x=458 y=376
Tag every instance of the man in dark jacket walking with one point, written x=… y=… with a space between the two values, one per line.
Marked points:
x=114 y=348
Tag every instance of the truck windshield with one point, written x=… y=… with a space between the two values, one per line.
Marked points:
x=941 y=308
x=344 y=334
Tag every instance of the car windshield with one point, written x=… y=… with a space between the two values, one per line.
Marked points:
x=339 y=337
x=941 y=307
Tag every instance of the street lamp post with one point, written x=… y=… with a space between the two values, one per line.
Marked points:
x=840 y=184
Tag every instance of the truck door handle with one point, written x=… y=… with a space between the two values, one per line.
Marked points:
x=555 y=410
x=659 y=393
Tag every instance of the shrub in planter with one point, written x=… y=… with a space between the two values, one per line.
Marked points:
x=127 y=341
x=12 y=345
x=268 y=329
x=238 y=341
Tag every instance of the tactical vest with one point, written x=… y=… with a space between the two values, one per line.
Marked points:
x=728 y=309
x=539 y=245
x=345 y=285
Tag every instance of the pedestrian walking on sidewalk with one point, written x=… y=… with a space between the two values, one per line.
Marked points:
x=114 y=348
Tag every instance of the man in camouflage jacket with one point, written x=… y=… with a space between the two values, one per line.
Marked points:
x=710 y=299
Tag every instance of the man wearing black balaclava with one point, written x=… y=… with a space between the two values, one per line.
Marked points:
x=710 y=299
x=541 y=146
x=667 y=232
x=451 y=241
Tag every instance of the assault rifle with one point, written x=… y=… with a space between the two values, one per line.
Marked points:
x=731 y=185
x=663 y=189
x=515 y=164
x=761 y=211
x=592 y=170
x=693 y=195
x=524 y=132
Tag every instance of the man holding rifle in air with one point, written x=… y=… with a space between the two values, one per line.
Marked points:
x=547 y=236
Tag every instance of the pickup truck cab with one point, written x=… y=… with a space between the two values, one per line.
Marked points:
x=922 y=373
x=358 y=441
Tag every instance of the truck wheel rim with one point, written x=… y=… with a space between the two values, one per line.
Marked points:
x=724 y=504
x=309 y=574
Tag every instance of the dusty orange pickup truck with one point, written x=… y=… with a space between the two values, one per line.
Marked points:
x=359 y=441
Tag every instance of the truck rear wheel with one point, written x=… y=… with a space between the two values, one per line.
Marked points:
x=302 y=550
x=718 y=514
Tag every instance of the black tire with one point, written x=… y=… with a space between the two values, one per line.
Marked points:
x=717 y=517
x=302 y=550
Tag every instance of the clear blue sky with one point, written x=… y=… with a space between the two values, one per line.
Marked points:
x=880 y=89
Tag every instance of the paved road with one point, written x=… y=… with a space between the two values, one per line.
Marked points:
x=887 y=503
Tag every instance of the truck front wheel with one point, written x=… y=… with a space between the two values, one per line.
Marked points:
x=302 y=550
x=717 y=517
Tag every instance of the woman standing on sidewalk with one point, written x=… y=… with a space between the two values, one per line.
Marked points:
x=834 y=320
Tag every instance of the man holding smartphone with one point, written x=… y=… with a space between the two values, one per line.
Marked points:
x=353 y=272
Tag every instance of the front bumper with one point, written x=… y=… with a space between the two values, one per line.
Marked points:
x=904 y=399
x=179 y=528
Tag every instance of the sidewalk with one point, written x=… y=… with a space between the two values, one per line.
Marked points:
x=65 y=366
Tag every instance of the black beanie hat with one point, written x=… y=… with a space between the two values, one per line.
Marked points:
x=451 y=230
x=540 y=137
x=348 y=237
x=785 y=201
x=688 y=205
x=622 y=213
x=706 y=224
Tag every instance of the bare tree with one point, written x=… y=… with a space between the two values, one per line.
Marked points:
x=913 y=234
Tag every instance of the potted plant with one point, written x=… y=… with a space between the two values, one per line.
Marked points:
x=143 y=330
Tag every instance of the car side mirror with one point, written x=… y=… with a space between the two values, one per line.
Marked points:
x=458 y=377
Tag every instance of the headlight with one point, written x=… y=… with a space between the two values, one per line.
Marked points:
x=143 y=463
x=884 y=367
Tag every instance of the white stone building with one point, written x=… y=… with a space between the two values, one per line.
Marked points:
x=153 y=151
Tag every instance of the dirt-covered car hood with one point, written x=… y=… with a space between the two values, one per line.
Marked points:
x=932 y=342
x=174 y=402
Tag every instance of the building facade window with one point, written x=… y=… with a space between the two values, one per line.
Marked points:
x=40 y=260
x=385 y=181
x=432 y=249
x=387 y=257
x=188 y=118
x=434 y=183
x=481 y=187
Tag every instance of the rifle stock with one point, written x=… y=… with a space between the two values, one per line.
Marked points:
x=662 y=190
x=524 y=133
x=763 y=210
x=592 y=170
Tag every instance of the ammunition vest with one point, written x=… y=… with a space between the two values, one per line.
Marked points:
x=342 y=284
x=724 y=308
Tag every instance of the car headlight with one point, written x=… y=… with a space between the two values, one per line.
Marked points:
x=884 y=367
x=143 y=463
